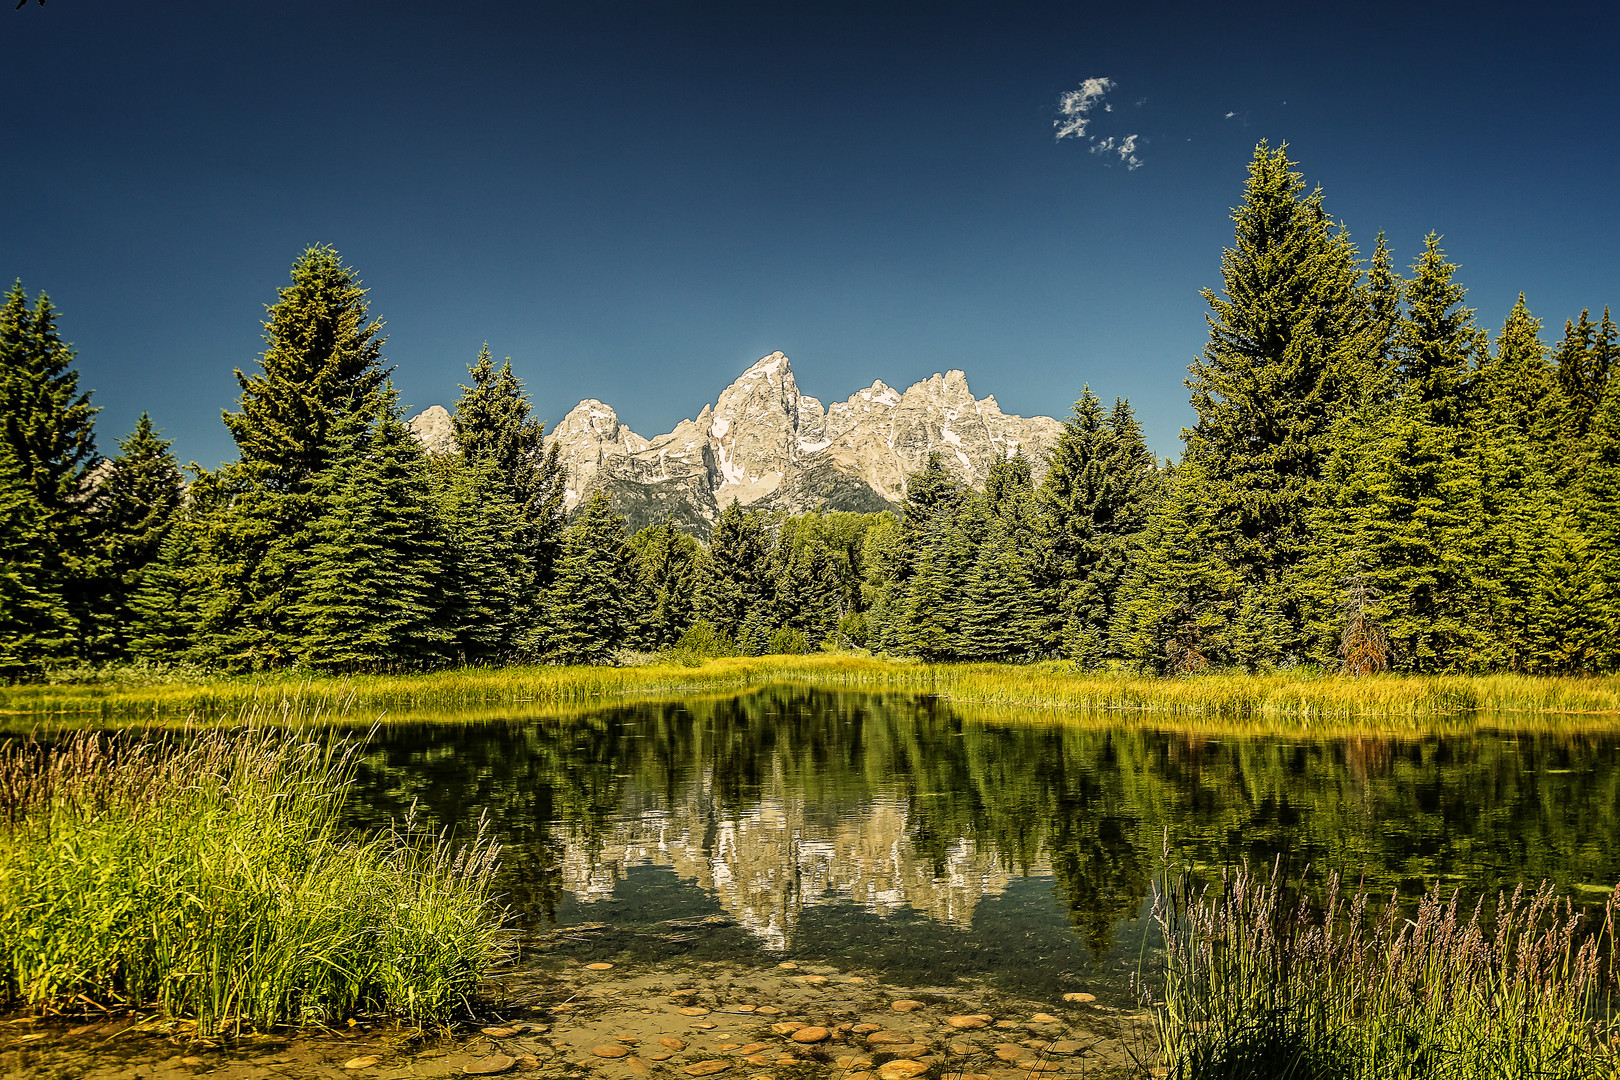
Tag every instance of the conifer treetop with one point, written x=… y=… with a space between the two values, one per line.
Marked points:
x=44 y=419
x=322 y=361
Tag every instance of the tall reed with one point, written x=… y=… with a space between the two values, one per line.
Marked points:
x=1259 y=986
x=207 y=874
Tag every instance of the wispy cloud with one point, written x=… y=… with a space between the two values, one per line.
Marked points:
x=1125 y=148
x=1074 y=107
x=1078 y=109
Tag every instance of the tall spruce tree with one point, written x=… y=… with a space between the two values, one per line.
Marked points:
x=322 y=363
x=935 y=601
x=1517 y=419
x=1396 y=544
x=586 y=607
x=1002 y=616
x=663 y=597
x=33 y=616
x=494 y=423
x=168 y=608
x=136 y=505
x=807 y=593
x=1184 y=606
x=1396 y=530
x=1438 y=342
x=488 y=572
x=1099 y=487
x=734 y=576
x=321 y=369
x=1596 y=515
x=1581 y=384
x=47 y=426
x=369 y=599
x=1287 y=335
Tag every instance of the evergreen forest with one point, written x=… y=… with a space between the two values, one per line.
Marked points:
x=1372 y=482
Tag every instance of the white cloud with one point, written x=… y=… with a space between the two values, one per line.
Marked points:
x=1078 y=109
x=1076 y=105
x=1125 y=148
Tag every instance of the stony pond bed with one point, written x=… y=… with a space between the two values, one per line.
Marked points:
x=577 y=1021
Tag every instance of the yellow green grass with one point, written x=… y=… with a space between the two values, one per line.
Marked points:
x=207 y=874
x=1273 y=702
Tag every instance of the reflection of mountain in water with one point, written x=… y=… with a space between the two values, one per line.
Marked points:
x=774 y=801
x=767 y=861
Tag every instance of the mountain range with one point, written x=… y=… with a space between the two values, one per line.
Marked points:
x=768 y=446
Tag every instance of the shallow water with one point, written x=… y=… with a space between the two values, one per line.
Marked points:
x=929 y=845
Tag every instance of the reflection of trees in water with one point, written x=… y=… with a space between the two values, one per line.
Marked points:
x=1090 y=803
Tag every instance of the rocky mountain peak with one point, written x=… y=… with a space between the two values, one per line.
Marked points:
x=765 y=444
x=434 y=429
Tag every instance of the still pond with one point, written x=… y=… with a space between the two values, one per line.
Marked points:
x=927 y=844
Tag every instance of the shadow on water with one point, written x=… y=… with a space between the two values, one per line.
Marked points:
x=917 y=839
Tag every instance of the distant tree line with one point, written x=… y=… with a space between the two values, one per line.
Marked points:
x=1371 y=483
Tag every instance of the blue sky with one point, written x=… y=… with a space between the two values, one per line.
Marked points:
x=635 y=201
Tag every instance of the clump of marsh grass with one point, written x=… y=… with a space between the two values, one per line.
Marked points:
x=1259 y=986
x=206 y=873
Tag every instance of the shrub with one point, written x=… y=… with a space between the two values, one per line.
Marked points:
x=786 y=641
x=702 y=639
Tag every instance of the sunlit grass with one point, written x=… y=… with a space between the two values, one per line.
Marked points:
x=1258 y=986
x=1283 y=701
x=207 y=874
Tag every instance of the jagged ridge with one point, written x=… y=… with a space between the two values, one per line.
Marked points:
x=763 y=443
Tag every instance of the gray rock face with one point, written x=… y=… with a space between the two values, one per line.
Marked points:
x=765 y=443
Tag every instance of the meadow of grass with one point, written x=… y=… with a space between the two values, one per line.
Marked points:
x=1259 y=988
x=1281 y=701
x=205 y=873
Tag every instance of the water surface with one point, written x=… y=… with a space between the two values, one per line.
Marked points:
x=908 y=837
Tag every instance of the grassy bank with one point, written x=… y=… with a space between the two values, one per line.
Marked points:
x=1257 y=987
x=208 y=876
x=1283 y=700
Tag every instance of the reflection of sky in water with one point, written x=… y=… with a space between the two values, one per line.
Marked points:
x=905 y=834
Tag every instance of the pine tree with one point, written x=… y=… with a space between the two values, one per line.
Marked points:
x=135 y=506
x=666 y=571
x=931 y=623
x=807 y=593
x=494 y=423
x=167 y=609
x=882 y=558
x=321 y=369
x=322 y=363
x=1099 y=487
x=734 y=579
x=33 y=616
x=1396 y=545
x=1185 y=607
x=1287 y=335
x=488 y=575
x=586 y=605
x=47 y=428
x=369 y=597
x=1437 y=341
x=930 y=492
x=1595 y=513
x=1516 y=422
x=1002 y=617
x=1581 y=384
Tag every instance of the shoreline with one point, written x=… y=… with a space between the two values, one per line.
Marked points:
x=1263 y=703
